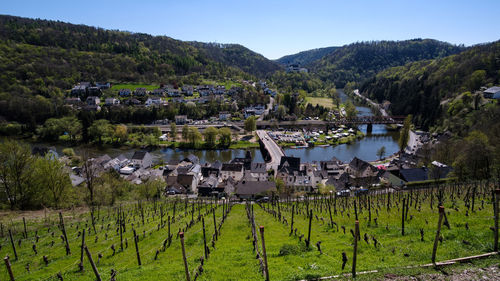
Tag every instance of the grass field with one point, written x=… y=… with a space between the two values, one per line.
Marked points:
x=231 y=255
x=134 y=86
x=326 y=102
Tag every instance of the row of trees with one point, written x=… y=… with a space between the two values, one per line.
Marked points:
x=192 y=136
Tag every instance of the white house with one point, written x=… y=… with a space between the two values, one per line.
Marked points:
x=111 y=101
x=232 y=170
x=142 y=159
x=492 y=93
x=154 y=101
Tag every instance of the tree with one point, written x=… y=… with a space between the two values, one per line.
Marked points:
x=185 y=133
x=350 y=110
x=72 y=126
x=151 y=189
x=120 y=133
x=210 y=135
x=100 y=129
x=194 y=136
x=281 y=112
x=381 y=152
x=173 y=131
x=225 y=136
x=475 y=157
x=250 y=124
x=51 y=177
x=404 y=134
x=90 y=172
x=16 y=174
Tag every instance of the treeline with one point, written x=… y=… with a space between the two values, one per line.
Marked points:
x=419 y=88
x=359 y=61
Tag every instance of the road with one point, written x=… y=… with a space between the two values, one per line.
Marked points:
x=376 y=105
x=268 y=109
x=273 y=148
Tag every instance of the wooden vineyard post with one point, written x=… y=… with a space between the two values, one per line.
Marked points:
x=9 y=269
x=25 y=232
x=94 y=267
x=121 y=232
x=266 y=269
x=137 y=249
x=355 y=253
x=13 y=245
x=181 y=235
x=309 y=231
x=495 y=207
x=403 y=218
x=82 y=249
x=291 y=225
x=330 y=209
x=63 y=228
x=215 y=225
x=169 y=239
x=204 y=238
x=434 y=249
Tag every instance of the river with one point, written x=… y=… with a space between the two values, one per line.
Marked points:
x=365 y=149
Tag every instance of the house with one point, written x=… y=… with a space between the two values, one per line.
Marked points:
x=340 y=182
x=111 y=101
x=254 y=110
x=492 y=93
x=158 y=92
x=210 y=187
x=232 y=170
x=76 y=180
x=140 y=92
x=414 y=174
x=93 y=100
x=211 y=169
x=252 y=189
x=94 y=91
x=117 y=163
x=125 y=92
x=187 y=90
x=180 y=119
x=332 y=167
x=154 y=101
x=80 y=89
x=391 y=180
x=257 y=172
x=142 y=159
x=295 y=68
x=173 y=93
x=133 y=102
x=362 y=173
x=224 y=116
x=74 y=101
x=291 y=163
x=103 y=85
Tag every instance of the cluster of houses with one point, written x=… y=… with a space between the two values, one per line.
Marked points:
x=88 y=96
x=245 y=179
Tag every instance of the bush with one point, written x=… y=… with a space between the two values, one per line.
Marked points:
x=68 y=152
x=289 y=249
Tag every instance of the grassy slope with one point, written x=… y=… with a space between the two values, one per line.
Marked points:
x=326 y=102
x=233 y=259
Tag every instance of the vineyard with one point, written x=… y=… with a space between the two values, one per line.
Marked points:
x=207 y=239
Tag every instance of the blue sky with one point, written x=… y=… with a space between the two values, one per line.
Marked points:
x=275 y=28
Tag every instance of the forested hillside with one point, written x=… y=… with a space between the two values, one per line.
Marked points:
x=427 y=89
x=306 y=57
x=60 y=54
x=358 y=61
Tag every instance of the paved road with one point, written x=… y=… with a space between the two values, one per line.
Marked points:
x=273 y=148
x=376 y=105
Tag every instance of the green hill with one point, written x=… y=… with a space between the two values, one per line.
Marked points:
x=358 y=61
x=40 y=54
x=306 y=57
x=440 y=91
